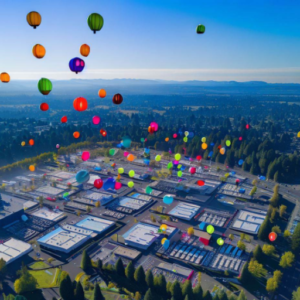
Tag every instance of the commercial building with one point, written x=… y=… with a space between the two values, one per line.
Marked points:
x=249 y=221
x=185 y=211
x=13 y=249
x=96 y=224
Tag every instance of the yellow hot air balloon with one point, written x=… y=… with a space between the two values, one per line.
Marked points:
x=163 y=240
x=298 y=135
x=204 y=146
x=23 y=144
x=163 y=227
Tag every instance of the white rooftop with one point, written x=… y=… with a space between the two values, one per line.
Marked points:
x=248 y=221
x=48 y=214
x=13 y=249
x=184 y=211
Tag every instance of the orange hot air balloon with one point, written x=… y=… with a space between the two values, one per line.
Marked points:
x=34 y=19
x=31 y=142
x=38 y=51
x=167 y=139
x=85 y=50
x=80 y=104
x=130 y=157
x=102 y=93
x=32 y=168
x=204 y=146
x=4 y=77
x=76 y=134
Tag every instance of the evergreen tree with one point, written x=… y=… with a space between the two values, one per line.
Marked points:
x=257 y=253
x=296 y=239
x=149 y=295
x=245 y=274
x=187 y=289
x=79 y=293
x=99 y=264
x=149 y=279
x=97 y=295
x=119 y=267
x=160 y=285
x=242 y=296
x=198 y=292
x=207 y=296
x=264 y=229
x=86 y=262
x=129 y=271
x=66 y=289
x=176 y=291
x=187 y=297
x=222 y=295
x=139 y=276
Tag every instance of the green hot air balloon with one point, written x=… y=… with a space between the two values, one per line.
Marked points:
x=95 y=22
x=45 y=86
x=200 y=29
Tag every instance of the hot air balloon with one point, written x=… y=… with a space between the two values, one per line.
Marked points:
x=44 y=107
x=200 y=29
x=80 y=104
x=98 y=183
x=31 y=142
x=210 y=229
x=23 y=144
x=82 y=176
x=76 y=134
x=85 y=155
x=198 y=157
x=34 y=19
x=96 y=120
x=117 y=99
x=166 y=139
x=168 y=199
x=298 y=134
x=64 y=119
x=4 y=77
x=192 y=170
x=131 y=173
x=130 y=184
x=175 y=136
x=85 y=50
x=76 y=64
x=220 y=241
x=247 y=126
x=102 y=93
x=154 y=125
x=95 y=22
x=204 y=146
x=177 y=157
x=45 y=86
x=32 y=168
x=38 y=51
x=201 y=182
x=272 y=236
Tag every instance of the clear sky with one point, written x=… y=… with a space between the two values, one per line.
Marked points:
x=155 y=39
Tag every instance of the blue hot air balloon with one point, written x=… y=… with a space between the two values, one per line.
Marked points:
x=126 y=141
x=97 y=169
x=241 y=162
x=210 y=154
x=168 y=199
x=109 y=184
x=82 y=176
x=76 y=64
x=191 y=135
x=262 y=177
x=166 y=244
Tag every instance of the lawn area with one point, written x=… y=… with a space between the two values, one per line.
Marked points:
x=39 y=265
x=46 y=278
x=107 y=295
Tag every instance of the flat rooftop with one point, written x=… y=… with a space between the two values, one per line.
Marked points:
x=63 y=240
x=49 y=190
x=95 y=224
x=184 y=211
x=46 y=213
x=248 y=221
x=13 y=249
x=141 y=234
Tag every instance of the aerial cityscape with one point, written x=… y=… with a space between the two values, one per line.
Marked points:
x=150 y=150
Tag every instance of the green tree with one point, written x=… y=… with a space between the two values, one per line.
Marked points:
x=286 y=234
x=258 y=253
x=198 y=292
x=287 y=259
x=187 y=289
x=119 y=267
x=272 y=285
x=268 y=249
x=276 y=229
x=222 y=295
x=149 y=279
x=176 y=291
x=79 y=293
x=296 y=239
x=242 y=296
x=277 y=275
x=245 y=274
x=207 y=295
x=86 y=262
x=160 y=285
x=137 y=296
x=231 y=236
x=66 y=289
x=264 y=229
x=99 y=264
x=282 y=210
x=296 y=294
x=139 y=276
x=26 y=282
x=97 y=295
x=149 y=295
x=241 y=245
x=129 y=271
x=256 y=269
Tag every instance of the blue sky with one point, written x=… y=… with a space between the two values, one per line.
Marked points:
x=155 y=39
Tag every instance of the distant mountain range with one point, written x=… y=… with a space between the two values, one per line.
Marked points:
x=89 y=87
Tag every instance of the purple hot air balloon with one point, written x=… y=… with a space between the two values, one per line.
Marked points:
x=76 y=64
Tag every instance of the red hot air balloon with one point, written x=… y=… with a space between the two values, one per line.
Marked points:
x=199 y=157
x=201 y=182
x=192 y=170
x=272 y=236
x=247 y=126
x=64 y=119
x=80 y=104
x=117 y=99
x=175 y=136
x=98 y=183
x=44 y=107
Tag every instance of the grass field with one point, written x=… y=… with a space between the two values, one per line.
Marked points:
x=46 y=278
x=39 y=265
x=107 y=295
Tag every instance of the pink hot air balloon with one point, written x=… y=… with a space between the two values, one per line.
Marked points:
x=118 y=185
x=175 y=136
x=126 y=154
x=192 y=170
x=96 y=120
x=154 y=126
x=240 y=138
x=85 y=155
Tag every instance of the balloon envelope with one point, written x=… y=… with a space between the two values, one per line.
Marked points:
x=126 y=141
x=85 y=155
x=131 y=173
x=96 y=120
x=201 y=182
x=82 y=176
x=272 y=236
x=130 y=184
x=177 y=156
x=98 y=183
x=220 y=241
x=210 y=229
x=168 y=199
x=154 y=125
x=149 y=190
